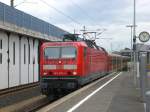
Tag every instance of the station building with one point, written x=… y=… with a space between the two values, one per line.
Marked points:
x=20 y=37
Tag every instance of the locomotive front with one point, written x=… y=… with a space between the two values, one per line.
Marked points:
x=59 y=66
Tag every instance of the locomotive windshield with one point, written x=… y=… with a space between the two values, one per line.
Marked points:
x=68 y=52
x=52 y=52
x=59 y=52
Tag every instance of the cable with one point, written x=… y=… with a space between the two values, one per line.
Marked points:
x=62 y=13
x=84 y=12
x=20 y=3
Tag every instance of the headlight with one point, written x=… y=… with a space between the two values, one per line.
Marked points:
x=44 y=73
x=74 y=73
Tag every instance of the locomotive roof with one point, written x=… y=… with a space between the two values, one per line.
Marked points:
x=66 y=43
x=88 y=42
x=75 y=43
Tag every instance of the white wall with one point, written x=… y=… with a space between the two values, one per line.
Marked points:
x=14 y=60
x=31 y=56
x=36 y=64
x=24 y=60
x=4 y=64
x=23 y=67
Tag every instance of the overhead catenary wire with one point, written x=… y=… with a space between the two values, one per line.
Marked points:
x=62 y=13
x=84 y=12
x=67 y=16
x=24 y=1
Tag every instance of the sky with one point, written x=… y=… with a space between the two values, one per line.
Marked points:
x=111 y=15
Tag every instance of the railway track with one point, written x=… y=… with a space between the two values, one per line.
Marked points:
x=12 y=96
x=13 y=90
x=30 y=105
x=24 y=99
x=27 y=105
x=37 y=102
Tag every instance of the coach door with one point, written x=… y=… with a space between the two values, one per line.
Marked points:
x=14 y=60
x=3 y=60
x=36 y=64
x=24 y=60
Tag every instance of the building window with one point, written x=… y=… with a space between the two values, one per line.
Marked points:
x=0 y=58
x=24 y=54
x=0 y=43
x=14 y=52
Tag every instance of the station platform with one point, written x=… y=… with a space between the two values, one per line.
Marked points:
x=115 y=93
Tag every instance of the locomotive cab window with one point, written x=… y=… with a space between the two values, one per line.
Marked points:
x=68 y=52
x=52 y=52
x=60 y=52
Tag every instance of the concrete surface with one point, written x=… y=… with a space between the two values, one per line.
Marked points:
x=120 y=95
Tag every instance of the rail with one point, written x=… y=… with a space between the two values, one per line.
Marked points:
x=18 y=88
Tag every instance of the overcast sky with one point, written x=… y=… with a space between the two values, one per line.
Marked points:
x=112 y=15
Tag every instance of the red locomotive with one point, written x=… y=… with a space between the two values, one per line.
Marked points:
x=69 y=65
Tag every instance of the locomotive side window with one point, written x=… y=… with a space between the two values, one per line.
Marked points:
x=68 y=52
x=52 y=52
